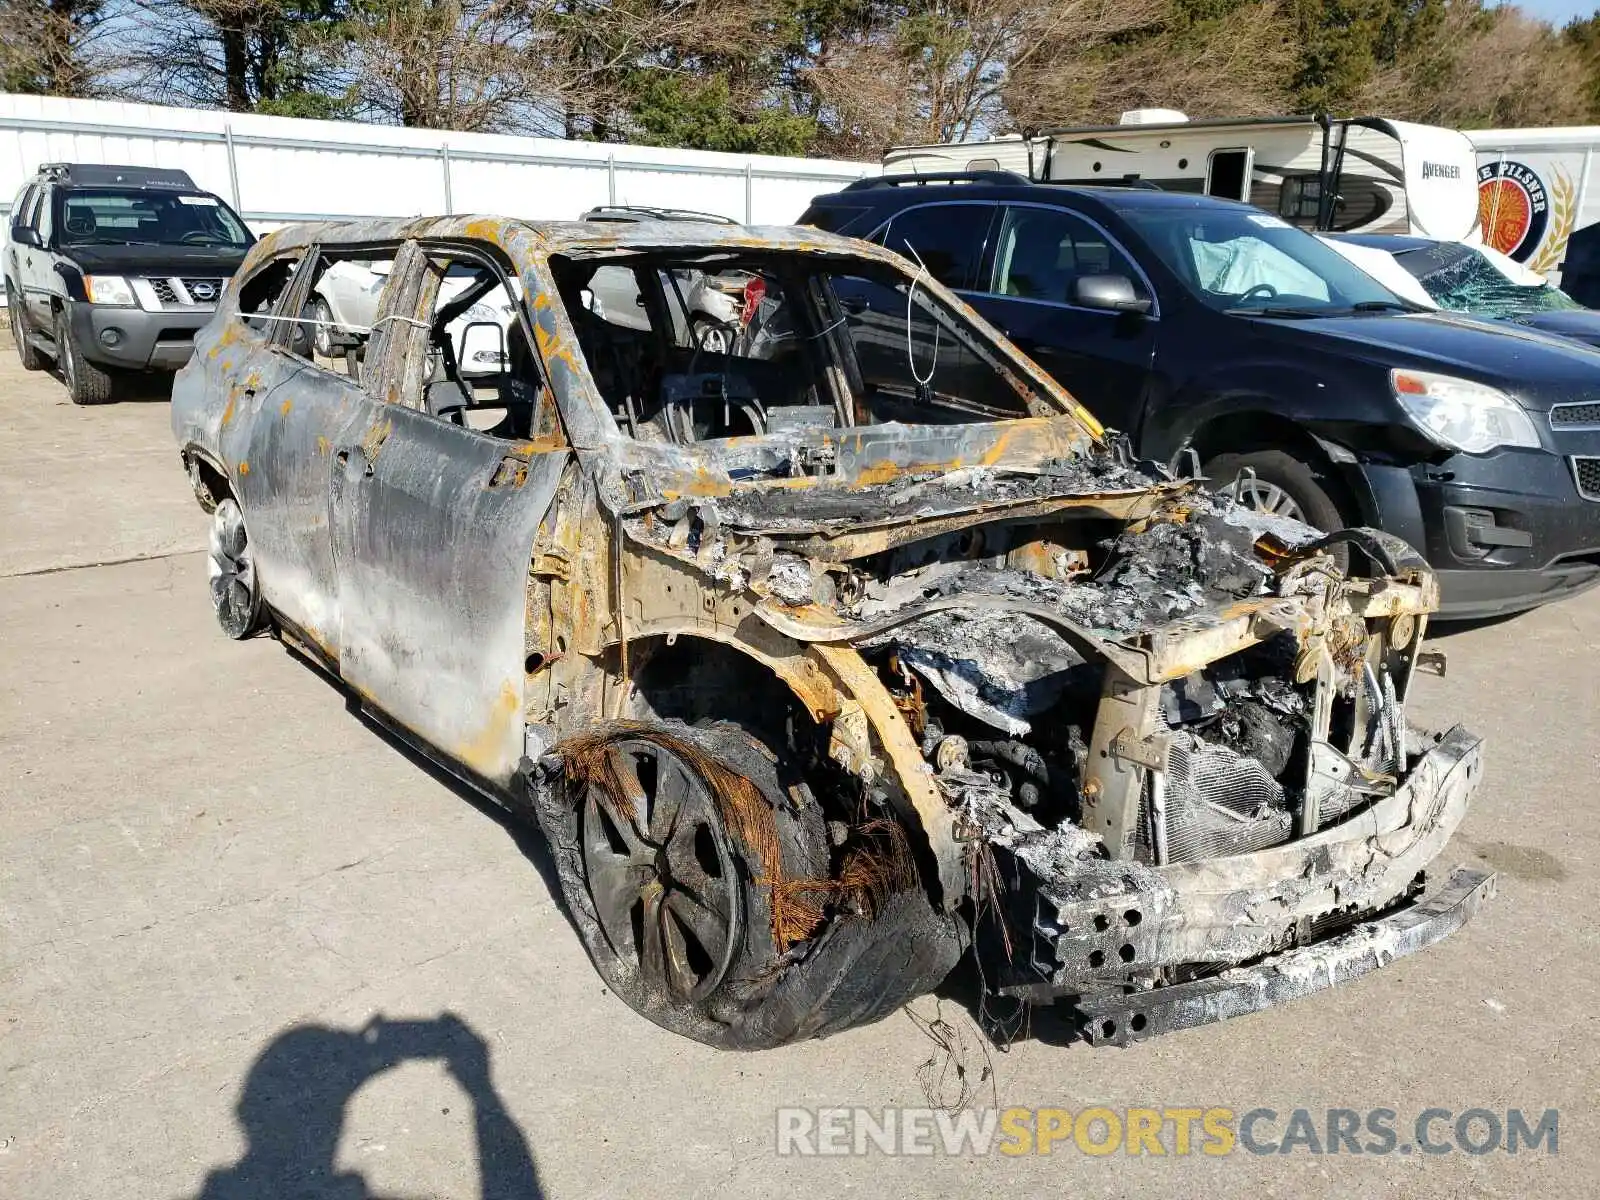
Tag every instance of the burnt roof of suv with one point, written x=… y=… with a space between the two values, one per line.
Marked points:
x=570 y=236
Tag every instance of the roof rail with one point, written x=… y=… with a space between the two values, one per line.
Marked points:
x=883 y=181
x=1123 y=181
x=642 y=212
x=104 y=173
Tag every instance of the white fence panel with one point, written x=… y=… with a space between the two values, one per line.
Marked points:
x=277 y=169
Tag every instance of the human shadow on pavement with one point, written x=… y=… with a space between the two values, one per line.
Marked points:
x=292 y=1107
x=1004 y=1021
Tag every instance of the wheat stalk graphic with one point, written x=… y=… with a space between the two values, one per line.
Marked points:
x=1563 y=211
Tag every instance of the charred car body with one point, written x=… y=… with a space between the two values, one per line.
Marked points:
x=810 y=684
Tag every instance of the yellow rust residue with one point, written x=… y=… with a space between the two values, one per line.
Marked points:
x=322 y=445
x=701 y=483
x=486 y=229
x=227 y=412
x=244 y=467
x=283 y=409
x=375 y=437
x=888 y=472
x=483 y=753
x=554 y=348
x=543 y=444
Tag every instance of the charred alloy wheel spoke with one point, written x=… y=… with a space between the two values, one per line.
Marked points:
x=660 y=869
x=232 y=571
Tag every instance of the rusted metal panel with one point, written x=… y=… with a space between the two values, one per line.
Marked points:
x=431 y=557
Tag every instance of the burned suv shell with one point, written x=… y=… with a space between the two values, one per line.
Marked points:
x=808 y=700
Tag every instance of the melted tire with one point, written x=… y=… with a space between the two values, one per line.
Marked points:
x=852 y=972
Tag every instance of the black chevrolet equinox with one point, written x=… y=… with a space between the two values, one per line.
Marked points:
x=1189 y=322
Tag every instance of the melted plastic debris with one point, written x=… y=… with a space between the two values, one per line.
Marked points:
x=1050 y=853
x=1207 y=554
x=924 y=495
x=791 y=581
x=1257 y=524
x=1134 y=595
x=998 y=667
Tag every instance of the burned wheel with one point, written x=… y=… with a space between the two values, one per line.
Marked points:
x=1265 y=496
x=235 y=594
x=680 y=851
x=661 y=869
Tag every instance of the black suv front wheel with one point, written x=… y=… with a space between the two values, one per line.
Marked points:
x=1277 y=482
x=86 y=383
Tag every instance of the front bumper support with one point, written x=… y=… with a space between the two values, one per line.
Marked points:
x=1121 y=1019
x=156 y=341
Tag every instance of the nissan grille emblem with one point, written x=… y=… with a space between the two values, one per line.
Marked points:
x=202 y=289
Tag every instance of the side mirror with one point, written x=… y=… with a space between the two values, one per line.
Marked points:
x=24 y=235
x=1110 y=293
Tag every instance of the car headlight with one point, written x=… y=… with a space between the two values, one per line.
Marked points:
x=1461 y=414
x=109 y=289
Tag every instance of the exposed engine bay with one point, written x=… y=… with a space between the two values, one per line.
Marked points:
x=1102 y=695
x=1143 y=737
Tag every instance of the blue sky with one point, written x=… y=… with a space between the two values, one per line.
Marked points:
x=1558 y=11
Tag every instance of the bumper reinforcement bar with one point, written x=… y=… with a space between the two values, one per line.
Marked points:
x=1118 y=1020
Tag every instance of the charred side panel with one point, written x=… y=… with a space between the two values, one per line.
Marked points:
x=297 y=417
x=433 y=531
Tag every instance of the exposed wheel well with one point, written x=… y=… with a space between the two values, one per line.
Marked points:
x=211 y=486
x=696 y=679
x=1241 y=433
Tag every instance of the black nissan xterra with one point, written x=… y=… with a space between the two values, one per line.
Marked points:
x=110 y=270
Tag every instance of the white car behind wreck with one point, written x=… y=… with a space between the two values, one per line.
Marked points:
x=816 y=674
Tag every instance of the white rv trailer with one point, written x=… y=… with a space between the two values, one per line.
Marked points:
x=1535 y=191
x=1365 y=174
